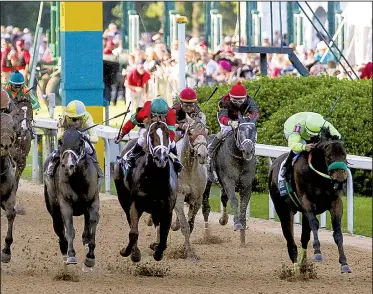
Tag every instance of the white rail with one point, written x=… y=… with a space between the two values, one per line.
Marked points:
x=108 y=133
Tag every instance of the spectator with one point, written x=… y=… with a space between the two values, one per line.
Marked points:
x=367 y=71
x=21 y=59
x=6 y=63
x=211 y=68
x=321 y=50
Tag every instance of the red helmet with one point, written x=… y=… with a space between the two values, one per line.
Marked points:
x=238 y=93
x=188 y=95
x=20 y=42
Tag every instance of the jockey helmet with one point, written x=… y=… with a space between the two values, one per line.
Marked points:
x=238 y=94
x=16 y=79
x=75 y=108
x=159 y=107
x=188 y=95
x=4 y=102
x=313 y=124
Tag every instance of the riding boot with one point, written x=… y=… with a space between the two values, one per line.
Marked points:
x=177 y=164
x=133 y=155
x=55 y=158
x=287 y=168
x=211 y=149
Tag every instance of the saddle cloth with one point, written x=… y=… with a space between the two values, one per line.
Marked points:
x=281 y=182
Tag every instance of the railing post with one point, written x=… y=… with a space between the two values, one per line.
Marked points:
x=350 y=203
x=40 y=159
x=323 y=220
x=297 y=218
x=35 y=158
x=107 y=166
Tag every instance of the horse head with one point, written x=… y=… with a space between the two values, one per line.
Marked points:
x=72 y=150
x=197 y=132
x=158 y=143
x=245 y=139
x=8 y=134
x=335 y=157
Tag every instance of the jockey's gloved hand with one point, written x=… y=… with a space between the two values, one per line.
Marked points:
x=233 y=124
x=118 y=139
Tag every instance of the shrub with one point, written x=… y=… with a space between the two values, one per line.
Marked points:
x=280 y=98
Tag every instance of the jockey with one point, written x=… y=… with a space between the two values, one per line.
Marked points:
x=156 y=110
x=77 y=115
x=17 y=90
x=187 y=105
x=230 y=106
x=300 y=130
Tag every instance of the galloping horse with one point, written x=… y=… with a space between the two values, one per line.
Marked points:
x=73 y=190
x=150 y=187
x=318 y=180
x=192 y=150
x=8 y=187
x=235 y=166
x=21 y=111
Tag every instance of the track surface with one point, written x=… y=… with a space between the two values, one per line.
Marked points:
x=221 y=268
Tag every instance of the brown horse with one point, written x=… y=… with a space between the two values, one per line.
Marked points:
x=150 y=187
x=8 y=187
x=318 y=179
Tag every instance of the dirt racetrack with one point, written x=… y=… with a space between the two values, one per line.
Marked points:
x=221 y=268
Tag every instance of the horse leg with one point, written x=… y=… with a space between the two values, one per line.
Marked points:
x=19 y=208
x=164 y=229
x=245 y=196
x=10 y=215
x=223 y=220
x=193 y=210
x=206 y=208
x=132 y=248
x=175 y=226
x=157 y=232
x=305 y=238
x=59 y=229
x=67 y=214
x=179 y=209
x=93 y=218
x=336 y=211
x=314 y=225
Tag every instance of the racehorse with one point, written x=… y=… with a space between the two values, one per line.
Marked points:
x=73 y=190
x=235 y=164
x=151 y=187
x=8 y=187
x=318 y=179
x=192 y=150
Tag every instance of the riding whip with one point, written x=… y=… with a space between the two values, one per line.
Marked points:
x=248 y=106
x=212 y=94
x=121 y=126
x=330 y=113
x=95 y=125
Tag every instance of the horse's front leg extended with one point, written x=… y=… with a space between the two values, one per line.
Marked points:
x=165 y=225
x=93 y=213
x=336 y=211
x=223 y=220
x=10 y=215
x=314 y=225
x=206 y=208
x=305 y=238
x=245 y=196
x=132 y=248
x=67 y=214
x=179 y=209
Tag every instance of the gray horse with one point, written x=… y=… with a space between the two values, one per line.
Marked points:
x=235 y=164
x=73 y=190
x=8 y=187
x=192 y=150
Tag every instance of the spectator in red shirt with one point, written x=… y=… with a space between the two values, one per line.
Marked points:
x=137 y=87
x=367 y=71
x=21 y=58
x=6 y=63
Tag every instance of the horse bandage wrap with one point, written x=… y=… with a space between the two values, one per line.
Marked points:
x=337 y=165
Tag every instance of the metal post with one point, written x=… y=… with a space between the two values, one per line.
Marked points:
x=271 y=17
x=35 y=58
x=58 y=36
x=107 y=166
x=35 y=172
x=263 y=64
x=181 y=21
x=350 y=203
x=208 y=24
x=297 y=218
x=168 y=5
x=124 y=28
x=239 y=23
x=36 y=46
x=323 y=220
x=290 y=21
x=52 y=40
x=331 y=20
x=248 y=23
x=40 y=159
x=280 y=12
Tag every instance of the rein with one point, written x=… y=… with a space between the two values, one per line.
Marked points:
x=332 y=166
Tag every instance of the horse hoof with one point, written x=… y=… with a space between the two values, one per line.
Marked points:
x=89 y=262
x=136 y=255
x=295 y=270
x=238 y=227
x=153 y=246
x=345 y=269
x=175 y=227
x=158 y=255
x=125 y=252
x=223 y=220
x=20 y=209
x=71 y=260
x=318 y=258
x=64 y=257
x=5 y=258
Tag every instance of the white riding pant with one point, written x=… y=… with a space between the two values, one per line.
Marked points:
x=142 y=139
x=287 y=134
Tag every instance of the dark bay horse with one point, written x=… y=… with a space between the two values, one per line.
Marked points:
x=150 y=187
x=8 y=187
x=192 y=150
x=73 y=190
x=318 y=180
x=235 y=166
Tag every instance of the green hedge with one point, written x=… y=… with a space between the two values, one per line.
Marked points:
x=280 y=98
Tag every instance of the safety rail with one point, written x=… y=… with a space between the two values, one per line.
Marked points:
x=48 y=127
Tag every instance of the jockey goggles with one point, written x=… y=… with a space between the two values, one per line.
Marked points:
x=238 y=101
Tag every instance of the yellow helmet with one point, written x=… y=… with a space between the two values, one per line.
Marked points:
x=75 y=108
x=314 y=122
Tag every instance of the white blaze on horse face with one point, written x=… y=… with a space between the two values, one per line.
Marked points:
x=69 y=160
x=160 y=135
x=24 y=124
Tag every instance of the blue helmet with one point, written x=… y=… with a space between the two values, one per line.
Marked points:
x=16 y=79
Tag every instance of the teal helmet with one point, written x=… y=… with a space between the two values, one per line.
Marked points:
x=159 y=107
x=16 y=79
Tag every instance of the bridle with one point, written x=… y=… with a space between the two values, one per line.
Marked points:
x=153 y=149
